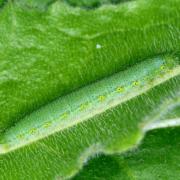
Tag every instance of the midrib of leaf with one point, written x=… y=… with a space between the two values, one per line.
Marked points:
x=165 y=116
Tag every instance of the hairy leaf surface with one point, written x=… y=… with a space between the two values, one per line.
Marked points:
x=75 y=82
x=156 y=158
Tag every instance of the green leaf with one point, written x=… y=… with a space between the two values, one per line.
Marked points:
x=156 y=158
x=93 y=3
x=76 y=82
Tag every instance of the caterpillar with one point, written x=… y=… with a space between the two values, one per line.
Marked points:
x=89 y=101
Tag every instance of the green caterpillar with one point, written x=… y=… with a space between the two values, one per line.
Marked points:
x=89 y=101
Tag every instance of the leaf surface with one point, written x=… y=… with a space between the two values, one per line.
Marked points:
x=156 y=158
x=76 y=82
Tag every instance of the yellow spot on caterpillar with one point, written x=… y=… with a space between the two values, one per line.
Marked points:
x=120 y=89
x=47 y=124
x=64 y=115
x=20 y=136
x=161 y=75
x=32 y=131
x=5 y=147
x=101 y=98
x=83 y=106
x=162 y=67
x=136 y=83
x=169 y=71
